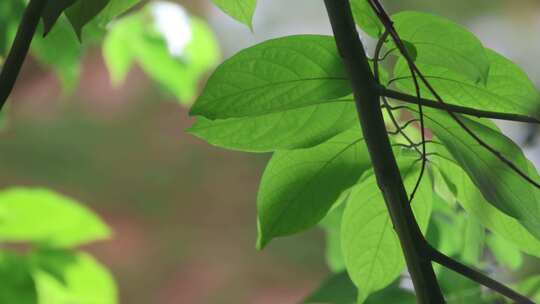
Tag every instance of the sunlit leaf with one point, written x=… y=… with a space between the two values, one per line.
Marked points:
x=505 y=252
x=470 y=198
x=299 y=187
x=86 y=281
x=371 y=248
x=37 y=215
x=507 y=87
x=275 y=76
x=501 y=186
x=442 y=43
x=241 y=10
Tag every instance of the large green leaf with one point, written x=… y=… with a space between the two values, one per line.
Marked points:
x=37 y=215
x=275 y=76
x=366 y=19
x=291 y=129
x=501 y=186
x=299 y=187
x=84 y=280
x=241 y=10
x=470 y=198
x=507 y=88
x=371 y=248
x=443 y=43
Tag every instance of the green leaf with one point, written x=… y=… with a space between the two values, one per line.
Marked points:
x=459 y=289
x=443 y=43
x=336 y=289
x=17 y=286
x=366 y=19
x=470 y=198
x=507 y=88
x=53 y=9
x=176 y=62
x=38 y=215
x=331 y=224
x=61 y=51
x=505 y=252
x=501 y=186
x=83 y=11
x=298 y=187
x=371 y=248
x=275 y=76
x=85 y=281
x=531 y=288
x=473 y=241
x=291 y=129
x=241 y=10
x=114 y=9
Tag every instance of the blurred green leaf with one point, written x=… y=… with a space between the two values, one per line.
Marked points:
x=473 y=241
x=275 y=76
x=336 y=289
x=42 y=216
x=371 y=248
x=506 y=253
x=86 y=282
x=17 y=286
x=442 y=43
x=241 y=10
x=83 y=11
x=176 y=57
x=501 y=186
x=298 y=187
x=53 y=9
x=459 y=289
x=470 y=198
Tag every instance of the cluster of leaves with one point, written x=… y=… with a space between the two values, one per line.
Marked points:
x=39 y=263
x=291 y=96
x=129 y=33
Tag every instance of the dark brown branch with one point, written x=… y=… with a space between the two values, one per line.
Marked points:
x=384 y=163
x=455 y=108
x=19 y=50
x=478 y=277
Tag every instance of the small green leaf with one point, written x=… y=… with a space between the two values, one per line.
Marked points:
x=17 y=286
x=470 y=198
x=443 y=43
x=53 y=9
x=114 y=9
x=241 y=10
x=83 y=11
x=336 y=289
x=507 y=88
x=501 y=186
x=506 y=253
x=275 y=76
x=85 y=281
x=298 y=187
x=175 y=57
x=37 y=215
x=366 y=19
x=371 y=248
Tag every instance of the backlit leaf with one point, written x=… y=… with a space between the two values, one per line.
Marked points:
x=241 y=10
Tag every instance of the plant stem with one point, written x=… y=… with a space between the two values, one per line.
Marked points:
x=478 y=277
x=389 y=180
x=455 y=108
x=19 y=50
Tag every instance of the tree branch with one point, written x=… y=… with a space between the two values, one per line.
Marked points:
x=19 y=50
x=477 y=276
x=455 y=108
x=389 y=180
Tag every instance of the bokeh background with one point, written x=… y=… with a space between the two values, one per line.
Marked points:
x=183 y=212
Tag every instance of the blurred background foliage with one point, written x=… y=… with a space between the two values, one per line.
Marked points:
x=103 y=122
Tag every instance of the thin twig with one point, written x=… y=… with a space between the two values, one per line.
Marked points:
x=19 y=50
